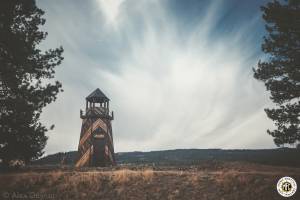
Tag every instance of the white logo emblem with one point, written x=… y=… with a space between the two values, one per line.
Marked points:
x=286 y=186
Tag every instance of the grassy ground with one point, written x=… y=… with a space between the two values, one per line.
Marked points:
x=226 y=181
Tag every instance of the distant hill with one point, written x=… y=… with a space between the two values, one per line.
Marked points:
x=279 y=157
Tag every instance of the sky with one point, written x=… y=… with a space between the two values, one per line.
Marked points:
x=178 y=73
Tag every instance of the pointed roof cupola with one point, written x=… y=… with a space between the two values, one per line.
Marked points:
x=97 y=96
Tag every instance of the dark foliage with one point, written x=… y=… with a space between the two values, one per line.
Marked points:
x=25 y=86
x=281 y=71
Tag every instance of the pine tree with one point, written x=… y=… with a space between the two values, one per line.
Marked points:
x=26 y=85
x=281 y=71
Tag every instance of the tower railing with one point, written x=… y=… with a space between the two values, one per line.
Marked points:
x=95 y=112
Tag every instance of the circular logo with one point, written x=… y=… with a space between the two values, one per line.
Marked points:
x=286 y=186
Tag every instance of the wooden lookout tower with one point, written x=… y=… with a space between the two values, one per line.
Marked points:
x=96 y=140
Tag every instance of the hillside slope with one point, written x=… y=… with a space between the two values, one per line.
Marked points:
x=279 y=157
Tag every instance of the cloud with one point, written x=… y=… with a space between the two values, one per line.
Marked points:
x=171 y=85
x=110 y=9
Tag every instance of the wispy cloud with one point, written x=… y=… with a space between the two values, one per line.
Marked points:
x=171 y=85
x=110 y=10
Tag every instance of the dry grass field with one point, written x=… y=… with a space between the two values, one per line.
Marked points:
x=228 y=181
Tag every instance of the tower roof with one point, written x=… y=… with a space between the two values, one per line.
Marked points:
x=97 y=96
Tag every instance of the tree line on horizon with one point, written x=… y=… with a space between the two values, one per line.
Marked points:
x=26 y=71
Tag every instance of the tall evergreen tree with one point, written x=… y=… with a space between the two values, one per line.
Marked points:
x=281 y=71
x=25 y=86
